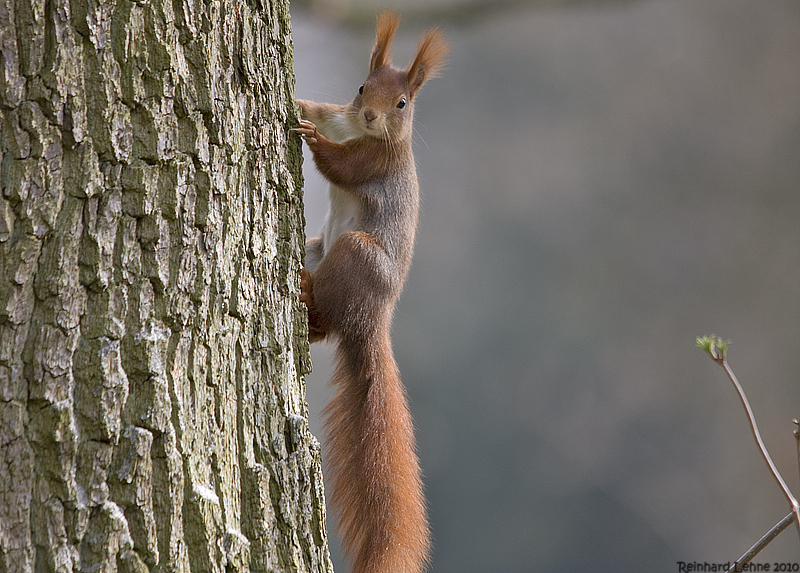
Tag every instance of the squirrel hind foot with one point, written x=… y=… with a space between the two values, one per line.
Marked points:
x=305 y=288
x=316 y=331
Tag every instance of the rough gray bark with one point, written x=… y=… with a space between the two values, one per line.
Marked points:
x=151 y=345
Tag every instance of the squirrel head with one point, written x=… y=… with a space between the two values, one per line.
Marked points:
x=385 y=102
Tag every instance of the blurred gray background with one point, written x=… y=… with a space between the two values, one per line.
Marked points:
x=602 y=182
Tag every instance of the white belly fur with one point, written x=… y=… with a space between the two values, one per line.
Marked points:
x=344 y=212
x=344 y=209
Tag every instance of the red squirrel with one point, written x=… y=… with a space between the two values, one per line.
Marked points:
x=354 y=274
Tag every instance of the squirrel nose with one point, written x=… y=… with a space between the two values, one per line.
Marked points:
x=370 y=115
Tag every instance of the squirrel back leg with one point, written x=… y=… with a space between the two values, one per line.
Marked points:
x=352 y=292
x=354 y=269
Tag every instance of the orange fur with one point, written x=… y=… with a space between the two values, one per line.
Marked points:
x=430 y=59
x=382 y=510
x=386 y=27
x=350 y=290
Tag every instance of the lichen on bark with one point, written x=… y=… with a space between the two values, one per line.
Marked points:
x=152 y=413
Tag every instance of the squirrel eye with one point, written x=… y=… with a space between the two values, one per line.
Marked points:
x=361 y=89
x=402 y=103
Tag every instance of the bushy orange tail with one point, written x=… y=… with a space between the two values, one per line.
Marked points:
x=376 y=488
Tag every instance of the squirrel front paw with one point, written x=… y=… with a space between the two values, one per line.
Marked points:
x=308 y=131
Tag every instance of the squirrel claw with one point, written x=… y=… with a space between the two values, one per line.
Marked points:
x=307 y=130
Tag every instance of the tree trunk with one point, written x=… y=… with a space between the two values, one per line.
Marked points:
x=152 y=412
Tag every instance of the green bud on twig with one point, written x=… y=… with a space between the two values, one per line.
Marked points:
x=714 y=346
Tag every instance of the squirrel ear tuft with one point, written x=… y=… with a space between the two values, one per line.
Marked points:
x=429 y=61
x=387 y=26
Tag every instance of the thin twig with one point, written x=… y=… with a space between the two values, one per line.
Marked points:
x=796 y=433
x=717 y=349
x=762 y=448
x=762 y=543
